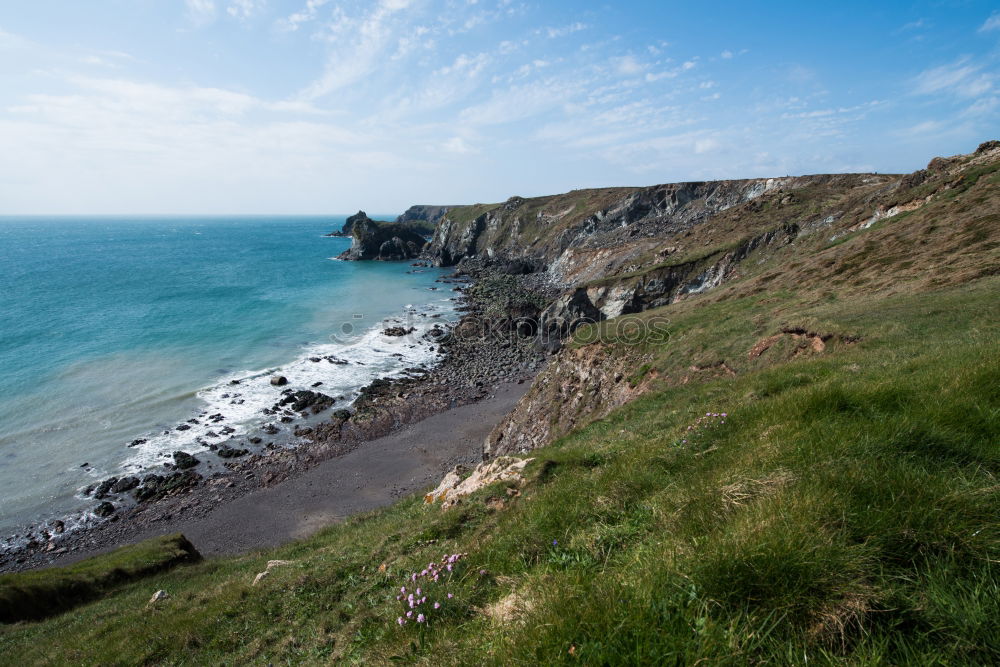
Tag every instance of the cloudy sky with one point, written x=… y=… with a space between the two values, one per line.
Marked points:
x=327 y=106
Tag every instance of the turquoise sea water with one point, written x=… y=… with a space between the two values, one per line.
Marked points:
x=112 y=329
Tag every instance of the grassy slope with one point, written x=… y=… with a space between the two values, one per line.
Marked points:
x=43 y=593
x=847 y=507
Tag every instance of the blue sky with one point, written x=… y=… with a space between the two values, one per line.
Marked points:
x=327 y=106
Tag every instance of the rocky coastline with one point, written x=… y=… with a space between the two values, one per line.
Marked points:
x=482 y=350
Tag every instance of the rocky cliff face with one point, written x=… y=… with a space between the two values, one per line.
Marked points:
x=618 y=252
x=423 y=212
x=384 y=241
x=578 y=386
x=348 y=227
x=550 y=232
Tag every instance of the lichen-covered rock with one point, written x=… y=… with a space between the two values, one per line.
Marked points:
x=453 y=487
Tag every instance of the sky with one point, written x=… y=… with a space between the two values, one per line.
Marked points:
x=330 y=106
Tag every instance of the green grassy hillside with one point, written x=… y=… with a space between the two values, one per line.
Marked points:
x=843 y=508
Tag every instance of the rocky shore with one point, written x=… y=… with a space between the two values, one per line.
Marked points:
x=490 y=346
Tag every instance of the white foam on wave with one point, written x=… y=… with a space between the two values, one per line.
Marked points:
x=369 y=355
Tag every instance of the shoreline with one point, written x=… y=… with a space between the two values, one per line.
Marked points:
x=372 y=475
x=473 y=371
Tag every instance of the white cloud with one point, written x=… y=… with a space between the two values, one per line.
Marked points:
x=726 y=55
x=565 y=30
x=470 y=66
x=244 y=9
x=520 y=102
x=305 y=15
x=912 y=25
x=961 y=78
x=628 y=65
x=201 y=11
x=992 y=23
x=359 y=53
x=458 y=146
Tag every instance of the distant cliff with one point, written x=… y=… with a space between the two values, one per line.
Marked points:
x=384 y=241
x=349 y=224
x=424 y=213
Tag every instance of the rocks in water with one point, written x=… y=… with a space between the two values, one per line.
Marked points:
x=104 y=510
x=125 y=484
x=316 y=384
x=255 y=441
x=104 y=488
x=183 y=460
x=300 y=401
x=385 y=241
x=137 y=442
x=227 y=452
x=398 y=331
x=270 y=429
x=183 y=427
x=158 y=486
x=58 y=527
x=279 y=381
x=349 y=224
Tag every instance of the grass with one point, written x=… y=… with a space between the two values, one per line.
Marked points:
x=846 y=511
x=43 y=593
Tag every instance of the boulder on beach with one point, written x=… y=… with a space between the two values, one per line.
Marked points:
x=183 y=460
x=279 y=380
x=104 y=510
x=125 y=484
x=227 y=452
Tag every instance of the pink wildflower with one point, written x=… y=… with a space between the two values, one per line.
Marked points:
x=450 y=596
x=437 y=605
x=401 y=621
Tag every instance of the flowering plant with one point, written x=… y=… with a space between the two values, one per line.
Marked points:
x=425 y=595
x=708 y=422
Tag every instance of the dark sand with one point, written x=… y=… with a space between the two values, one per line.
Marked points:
x=374 y=475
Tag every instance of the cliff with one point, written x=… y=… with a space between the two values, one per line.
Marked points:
x=424 y=213
x=821 y=238
x=384 y=241
x=419 y=225
x=348 y=227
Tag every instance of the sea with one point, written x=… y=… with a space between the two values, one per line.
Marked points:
x=118 y=329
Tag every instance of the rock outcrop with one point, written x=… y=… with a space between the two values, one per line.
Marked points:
x=453 y=487
x=348 y=227
x=424 y=213
x=384 y=241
